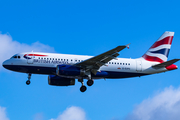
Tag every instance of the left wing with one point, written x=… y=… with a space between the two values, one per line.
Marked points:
x=94 y=63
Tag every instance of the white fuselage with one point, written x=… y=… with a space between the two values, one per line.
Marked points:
x=45 y=63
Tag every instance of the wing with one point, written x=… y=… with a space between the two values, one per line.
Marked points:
x=94 y=63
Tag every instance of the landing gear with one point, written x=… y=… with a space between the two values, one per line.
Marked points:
x=28 y=81
x=90 y=82
x=83 y=88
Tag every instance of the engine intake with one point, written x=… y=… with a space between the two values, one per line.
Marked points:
x=60 y=81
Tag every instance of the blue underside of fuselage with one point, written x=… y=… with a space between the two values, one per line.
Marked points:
x=52 y=71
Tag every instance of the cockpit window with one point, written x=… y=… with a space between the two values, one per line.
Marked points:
x=16 y=56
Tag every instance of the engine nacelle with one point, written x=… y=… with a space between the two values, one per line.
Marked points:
x=69 y=70
x=60 y=81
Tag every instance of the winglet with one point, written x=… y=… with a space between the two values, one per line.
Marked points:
x=128 y=45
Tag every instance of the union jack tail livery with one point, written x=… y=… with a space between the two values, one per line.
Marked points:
x=160 y=49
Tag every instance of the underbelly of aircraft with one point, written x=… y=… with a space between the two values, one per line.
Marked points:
x=52 y=71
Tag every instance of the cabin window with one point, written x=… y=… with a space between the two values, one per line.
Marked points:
x=71 y=60
x=112 y=62
x=109 y=62
x=115 y=63
x=126 y=63
x=129 y=64
x=19 y=57
x=41 y=58
x=118 y=63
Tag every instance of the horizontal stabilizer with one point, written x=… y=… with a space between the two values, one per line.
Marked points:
x=165 y=64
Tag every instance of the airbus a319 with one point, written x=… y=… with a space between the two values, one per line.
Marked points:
x=63 y=69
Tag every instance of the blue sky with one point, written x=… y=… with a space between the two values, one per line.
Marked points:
x=85 y=28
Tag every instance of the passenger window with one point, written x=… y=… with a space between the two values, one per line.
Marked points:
x=109 y=62
x=44 y=58
x=67 y=59
x=58 y=59
x=115 y=63
x=112 y=62
x=19 y=57
x=71 y=60
x=41 y=58
x=126 y=63
x=61 y=59
x=123 y=63
x=118 y=63
x=129 y=64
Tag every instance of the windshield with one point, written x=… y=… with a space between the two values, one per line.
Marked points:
x=16 y=57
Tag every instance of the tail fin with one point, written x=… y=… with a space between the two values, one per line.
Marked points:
x=159 y=51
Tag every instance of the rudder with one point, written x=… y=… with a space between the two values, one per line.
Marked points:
x=159 y=51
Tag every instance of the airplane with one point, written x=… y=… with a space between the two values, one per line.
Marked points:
x=63 y=69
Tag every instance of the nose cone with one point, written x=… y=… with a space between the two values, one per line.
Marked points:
x=5 y=64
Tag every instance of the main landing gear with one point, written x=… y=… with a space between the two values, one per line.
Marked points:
x=29 y=77
x=83 y=88
x=90 y=82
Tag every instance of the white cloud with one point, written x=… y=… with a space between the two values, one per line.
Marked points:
x=165 y=105
x=39 y=116
x=3 y=113
x=72 y=113
x=9 y=47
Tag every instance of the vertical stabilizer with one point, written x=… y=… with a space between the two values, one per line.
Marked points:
x=159 y=51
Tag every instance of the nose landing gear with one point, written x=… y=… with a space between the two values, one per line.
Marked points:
x=28 y=81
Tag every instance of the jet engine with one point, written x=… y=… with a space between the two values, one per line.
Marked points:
x=69 y=70
x=60 y=81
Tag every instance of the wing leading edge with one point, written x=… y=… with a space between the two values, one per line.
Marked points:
x=94 y=63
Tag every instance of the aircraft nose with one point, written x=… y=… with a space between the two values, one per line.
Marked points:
x=5 y=64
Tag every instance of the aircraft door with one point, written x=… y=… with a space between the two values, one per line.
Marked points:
x=138 y=66
x=30 y=58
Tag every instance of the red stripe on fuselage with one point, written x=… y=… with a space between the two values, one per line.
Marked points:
x=167 y=40
x=153 y=59
x=35 y=55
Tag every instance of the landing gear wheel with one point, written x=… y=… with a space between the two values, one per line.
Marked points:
x=28 y=82
x=83 y=88
x=90 y=82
